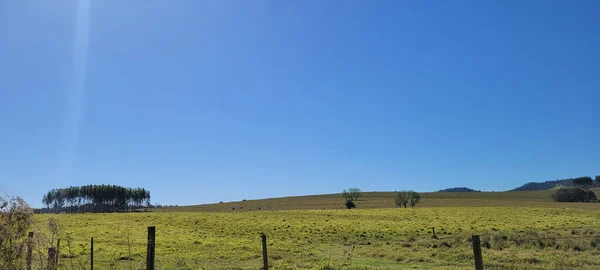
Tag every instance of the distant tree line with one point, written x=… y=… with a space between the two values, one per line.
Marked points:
x=458 y=189
x=583 y=181
x=96 y=199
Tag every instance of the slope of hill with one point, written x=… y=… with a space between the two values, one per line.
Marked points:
x=538 y=198
x=544 y=185
x=459 y=189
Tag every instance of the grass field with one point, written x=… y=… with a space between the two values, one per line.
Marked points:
x=515 y=234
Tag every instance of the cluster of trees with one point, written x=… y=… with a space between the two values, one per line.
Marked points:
x=573 y=195
x=96 y=198
x=405 y=197
x=351 y=195
x=584 y=181
x=579 y=192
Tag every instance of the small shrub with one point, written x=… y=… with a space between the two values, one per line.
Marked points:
x=350 y=204
x=15 y=219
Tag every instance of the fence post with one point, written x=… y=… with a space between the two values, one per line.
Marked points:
x=264 y=248
x=57 y=251
x=29 y=249
x=150 y=249
x=477 y=253
x=51 y=258
x=92 y=254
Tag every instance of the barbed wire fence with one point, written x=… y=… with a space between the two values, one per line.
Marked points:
x=96 y=253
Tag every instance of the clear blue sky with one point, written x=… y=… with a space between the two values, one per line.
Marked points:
x=203 y=101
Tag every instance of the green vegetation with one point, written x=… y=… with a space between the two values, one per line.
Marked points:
x=15 y=217
x=413 y=198
x=352 y=194
x=96 y=198
x=583 y=181
x=519 y=230
x=573 y=195
x=513 y=238
x=402 y=198
x=350 y=204
x=405 y=197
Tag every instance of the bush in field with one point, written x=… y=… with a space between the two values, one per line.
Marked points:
x=591 y=196
x=350 y=204
x=15 y=219
x=573 y=195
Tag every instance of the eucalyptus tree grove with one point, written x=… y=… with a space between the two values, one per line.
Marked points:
x=96 y=198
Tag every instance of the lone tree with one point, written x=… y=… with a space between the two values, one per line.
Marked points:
x=402 y=198
x=352 y=194
x=414 y=198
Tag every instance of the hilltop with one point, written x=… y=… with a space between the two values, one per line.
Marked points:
x=459 y=189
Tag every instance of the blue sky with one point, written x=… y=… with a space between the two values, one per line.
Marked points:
x=203 y=101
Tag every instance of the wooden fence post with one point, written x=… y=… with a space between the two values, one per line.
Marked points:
x=57 y=251
x=264 y=248
x=92 y=253
x=150 y=249
x=52 y=258
x=477 y=252
x=29 y=249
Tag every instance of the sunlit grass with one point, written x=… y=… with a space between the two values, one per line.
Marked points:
x=373 y=238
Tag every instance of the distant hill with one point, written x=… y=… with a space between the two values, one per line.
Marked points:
x=535 y=198
x=544 y=185
x=459 y=189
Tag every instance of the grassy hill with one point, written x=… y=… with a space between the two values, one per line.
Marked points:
x=537 y=198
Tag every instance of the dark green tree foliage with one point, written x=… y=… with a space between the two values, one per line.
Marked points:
x=414 y=198
x=585 y=181
x=405 y=197
x=350 y=204
x=402 y=198
x=352 y=194
x=96 y=198
x=597 y=180
x=573 y=195
x=591 y=196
